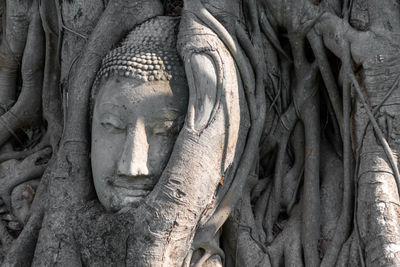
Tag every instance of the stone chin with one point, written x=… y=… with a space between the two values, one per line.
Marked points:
x=120 y=198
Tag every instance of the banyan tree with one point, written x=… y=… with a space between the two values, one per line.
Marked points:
x=200 y=133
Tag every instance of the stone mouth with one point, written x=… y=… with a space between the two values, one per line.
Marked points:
x=141 y=185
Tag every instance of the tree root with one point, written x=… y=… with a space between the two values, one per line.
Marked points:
x=51 y=100
x=241 y=234
x=292 y=178
x=349 y=253
x=342 y=232
x=331 y=194
x=17 y=16
x=23 y=248
x=274 y=203
x=27 y=108
x=26 y=243
x=5 y=238
x=381 y=138
x=311 y=197
x=327 y=75
x=19 y=155
x=207 y=250
x=305 y=85
x=259 y=210
x=287 y=248
x=27 y=170
x=269 y=32
x=21 y=200
x=14 y=155
x=309 y=114
x=305 y=92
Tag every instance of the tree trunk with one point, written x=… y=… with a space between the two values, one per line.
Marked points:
x=288 y=153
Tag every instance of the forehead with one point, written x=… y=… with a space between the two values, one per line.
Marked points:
x=129 y=92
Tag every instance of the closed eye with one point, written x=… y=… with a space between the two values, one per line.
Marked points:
x=168 y=127
x=163 y=128
x=112 y=123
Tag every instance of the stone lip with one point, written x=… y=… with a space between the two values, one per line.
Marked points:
x=139 y=186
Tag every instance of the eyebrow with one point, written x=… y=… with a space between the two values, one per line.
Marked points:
x=170 y=114
x=109 y=105
x=112 y=108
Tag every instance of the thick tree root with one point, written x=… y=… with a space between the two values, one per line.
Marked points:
x=27 y=108
x=22 y=251
x=287 y=247
x=17 y=16
x=20 y=172
x=292 y=179
x=350 y=253
x=311 y=197
x=331 y=194
x=327 y=75
x=5 y=238
x=240 y=233
x=51 y=95
x=21 y=201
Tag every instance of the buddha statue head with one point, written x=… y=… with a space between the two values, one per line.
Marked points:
x=140 y=99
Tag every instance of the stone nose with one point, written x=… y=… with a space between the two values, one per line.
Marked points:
x=134 y=157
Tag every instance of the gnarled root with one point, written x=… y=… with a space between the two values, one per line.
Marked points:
x=350 y=253
x=21 y=200
x=14 y=37
x=18 y=172
x=5 y=238
x=287 y=248
x=207 y=253
x=21 y=252
x=240 y=235
x=27 y=108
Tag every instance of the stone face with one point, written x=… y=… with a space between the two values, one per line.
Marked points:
x=135 y=125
